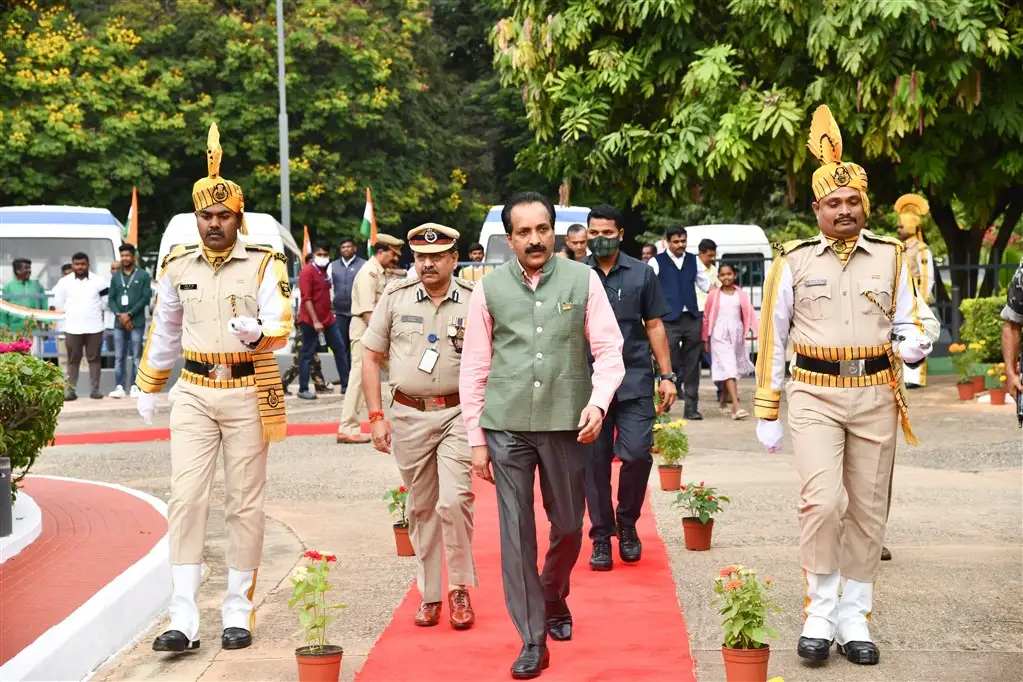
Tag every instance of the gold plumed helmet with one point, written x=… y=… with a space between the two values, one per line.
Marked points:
x=825 y=143
x=910 y=208
x=214 y=189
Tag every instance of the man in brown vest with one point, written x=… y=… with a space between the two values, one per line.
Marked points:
x=224 y=305
x=846 y=299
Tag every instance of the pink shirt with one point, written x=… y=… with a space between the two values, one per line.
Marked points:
x=602 y=332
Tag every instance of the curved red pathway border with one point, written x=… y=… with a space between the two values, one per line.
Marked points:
x=150 y=435
x=91 y=534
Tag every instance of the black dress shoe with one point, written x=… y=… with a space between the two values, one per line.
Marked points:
x=235 y=638
x=692 y=415
x=532 y=660
x=559 y=620
x=886 y=554
x=630 y=549
x=860 y=653
x=600 y=560
x=174 y=640
x=813 y=649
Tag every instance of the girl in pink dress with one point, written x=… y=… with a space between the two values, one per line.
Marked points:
x=728 y=320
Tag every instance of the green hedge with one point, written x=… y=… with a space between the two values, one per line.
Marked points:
x=982 y=321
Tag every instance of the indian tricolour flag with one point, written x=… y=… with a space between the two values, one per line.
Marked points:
x=307 y=246
x=369 y=222
x=21 y=312
x=131 y=226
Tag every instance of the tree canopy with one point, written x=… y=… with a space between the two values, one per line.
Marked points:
x=663 y=103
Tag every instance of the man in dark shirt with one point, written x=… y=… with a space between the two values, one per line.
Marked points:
x=342 y=274
x=316 y=320
x=638 y=303
x=1012 y=314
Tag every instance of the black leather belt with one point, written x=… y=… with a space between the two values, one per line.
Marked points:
x=844 y=368
x=206 y=369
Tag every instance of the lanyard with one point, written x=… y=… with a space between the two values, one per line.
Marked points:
x=130 y=279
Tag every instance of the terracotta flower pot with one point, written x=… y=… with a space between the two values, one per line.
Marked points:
x=746 y=665
x=965 y=391
x=697 y=534
x=319 y=665
x=978 y=384
x=402 y=541
x=671 y=476
x=997 y=396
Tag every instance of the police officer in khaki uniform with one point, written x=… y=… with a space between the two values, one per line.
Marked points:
x=367 y=288
x=910 y=208
x=848 y=302
x=419 y=328
x=225 y=306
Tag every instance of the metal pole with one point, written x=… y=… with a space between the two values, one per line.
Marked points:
x=6 y=520
x=283 y=122
x=957 y=319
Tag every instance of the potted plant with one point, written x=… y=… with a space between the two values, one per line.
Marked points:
x=671 y=445
x=31 y=397
x=317 y=661
x=702 y=503
x=962 y=359
x=398 y=506
x=996 y=384
x=743 y=600
x=976 y=370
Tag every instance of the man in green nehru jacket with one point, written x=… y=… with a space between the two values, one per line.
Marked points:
x=529 y=401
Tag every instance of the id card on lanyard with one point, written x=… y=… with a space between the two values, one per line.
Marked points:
x=124 y=292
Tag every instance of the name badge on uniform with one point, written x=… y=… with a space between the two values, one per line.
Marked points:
x=816 y=282
x=429 y=360
x=124 y=299
x=188 y=287
x=411 y=318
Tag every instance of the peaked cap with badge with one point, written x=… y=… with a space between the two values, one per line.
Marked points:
x=432 y=238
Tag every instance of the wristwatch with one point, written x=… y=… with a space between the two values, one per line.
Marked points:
x=668 y=377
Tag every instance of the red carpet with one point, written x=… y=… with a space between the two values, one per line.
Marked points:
x=628 y=624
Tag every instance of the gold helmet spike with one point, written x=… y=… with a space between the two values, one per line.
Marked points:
x=214 y=152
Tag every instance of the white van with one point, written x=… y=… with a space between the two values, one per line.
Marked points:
x=49 y=235
x=495 y=242
x=263 y=230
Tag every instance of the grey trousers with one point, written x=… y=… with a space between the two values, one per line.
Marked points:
x=562 y=463
x=92 y=344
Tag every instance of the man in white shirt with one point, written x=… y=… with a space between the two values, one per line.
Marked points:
x=82 y=296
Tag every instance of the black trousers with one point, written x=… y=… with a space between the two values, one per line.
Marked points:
x=561 y=460
x=343 y=324
x=685 y=342
x=634 y=420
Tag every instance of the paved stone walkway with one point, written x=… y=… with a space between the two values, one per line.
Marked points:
x=949 y=607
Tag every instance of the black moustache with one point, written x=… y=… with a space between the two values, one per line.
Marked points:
x=539 y=248
x=429 y=271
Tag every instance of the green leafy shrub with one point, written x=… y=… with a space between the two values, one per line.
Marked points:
x=982 y=322
x=31 y=397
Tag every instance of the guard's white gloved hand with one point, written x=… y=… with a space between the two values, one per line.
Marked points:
x=245 y=329
x=914 y=350
x=770 y=433
x=146 y=404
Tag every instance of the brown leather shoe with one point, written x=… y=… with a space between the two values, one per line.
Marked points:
x=429 y=614
x=462 y=616
x=345 y=438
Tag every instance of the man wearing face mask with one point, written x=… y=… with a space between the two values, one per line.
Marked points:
x=635 y=295
x=225 y=306
x=317 y=318
x=847 y=299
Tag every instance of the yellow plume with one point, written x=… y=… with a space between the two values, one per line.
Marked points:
x=912 y=203
x=214 y=153
x=825 y=140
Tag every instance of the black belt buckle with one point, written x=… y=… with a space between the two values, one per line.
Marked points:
x=218 y=371
x=847 y=369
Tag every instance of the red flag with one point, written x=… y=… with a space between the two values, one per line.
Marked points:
x=307 y=246
x=133 y=219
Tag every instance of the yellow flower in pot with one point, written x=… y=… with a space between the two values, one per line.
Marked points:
x=318 y=661
x=744 y=601
x=963 y=358
x=703 y=503
x=995 y=383
x=671 y=446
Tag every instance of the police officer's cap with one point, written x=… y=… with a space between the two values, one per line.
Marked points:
x=388 y=240
x=432 y=238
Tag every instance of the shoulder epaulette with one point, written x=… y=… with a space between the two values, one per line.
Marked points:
x=177 y=252
x=790 y=246
x=257 y=247
x=399 y=284
x=881 y=239
x=465 y=283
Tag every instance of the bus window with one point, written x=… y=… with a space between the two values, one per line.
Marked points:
x=49 y=253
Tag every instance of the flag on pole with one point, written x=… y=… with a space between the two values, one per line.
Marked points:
x=369 y=222
x=131 y=228
x=307 y=246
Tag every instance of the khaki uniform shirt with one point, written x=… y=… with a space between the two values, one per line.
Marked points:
x=195 y=302
x=402 y=327
x=810 y=298
x=367 y=288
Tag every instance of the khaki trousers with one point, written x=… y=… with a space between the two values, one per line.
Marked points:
x=433 y=455
x=352 y=407
x=202 y=421
x=844 y=440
